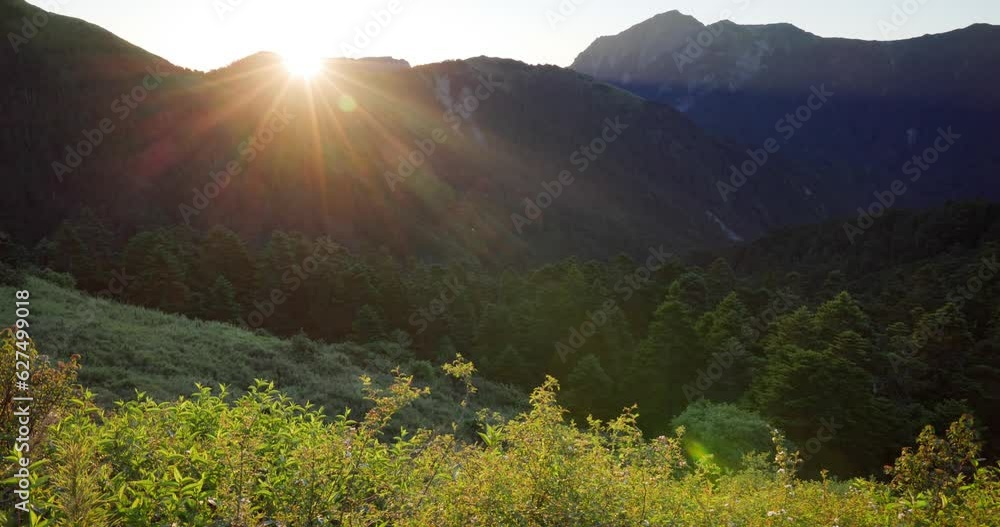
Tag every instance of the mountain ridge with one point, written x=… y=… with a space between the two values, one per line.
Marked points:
x=891 y=98
x=656 y=184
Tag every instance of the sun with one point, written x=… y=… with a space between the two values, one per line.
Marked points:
x=302 y=63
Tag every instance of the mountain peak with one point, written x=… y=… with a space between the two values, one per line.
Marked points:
x=673 y=20
x=663 y=31
x=674 y=14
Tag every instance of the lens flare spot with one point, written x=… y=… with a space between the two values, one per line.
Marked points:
x=697 y=451
x=347 y=103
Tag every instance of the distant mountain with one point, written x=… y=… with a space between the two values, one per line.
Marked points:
x=94 y=121
x=889 y=99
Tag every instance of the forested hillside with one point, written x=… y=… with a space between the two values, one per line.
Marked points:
x=798 y=330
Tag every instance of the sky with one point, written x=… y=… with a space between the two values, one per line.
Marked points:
x=207 y=34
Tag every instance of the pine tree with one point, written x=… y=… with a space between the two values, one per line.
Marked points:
x=726 y=321
x=160 y=283
x=727 y=335
x=369 y=326
x=800 y=389
x=508 y=366
x=690 y=288
x=588 y=389
x=223 y=253
x=220 y=301
x=720 y=280
x=839 y=315
x=667 y=359
x=941 y=340
x=618 y=346
x=797 y=328
x=82 y=248
x=853 y=347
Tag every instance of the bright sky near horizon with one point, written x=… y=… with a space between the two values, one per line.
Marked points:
x=206 y=34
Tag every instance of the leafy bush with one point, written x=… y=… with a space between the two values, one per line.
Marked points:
x=939 y=465
x=303 y=347
x=422 y=370
x=263 y=459
x=725 y=432
x=52 y=387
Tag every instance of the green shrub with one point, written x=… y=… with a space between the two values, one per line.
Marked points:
x=725 y=432
x=302 y=347
x=422 y=370
x=263 y=459
x=939 y=465
x=52 y=387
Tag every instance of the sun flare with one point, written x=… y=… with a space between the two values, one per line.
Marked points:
x=303 y=64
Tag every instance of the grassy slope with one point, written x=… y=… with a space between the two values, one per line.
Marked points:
x=125 y=348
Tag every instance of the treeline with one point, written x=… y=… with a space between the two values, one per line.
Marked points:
x=838 y=369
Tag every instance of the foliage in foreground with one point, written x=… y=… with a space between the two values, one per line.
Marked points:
x=263 y=459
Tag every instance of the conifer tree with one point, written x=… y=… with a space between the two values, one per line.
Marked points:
x=220 y=301
x=588 y=389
